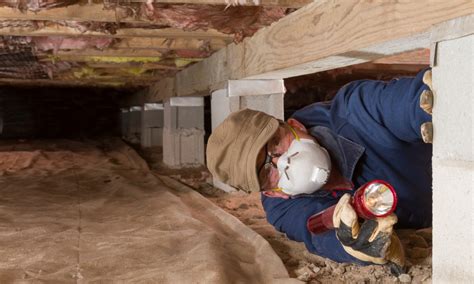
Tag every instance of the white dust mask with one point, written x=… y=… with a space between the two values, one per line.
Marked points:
x=303 y=168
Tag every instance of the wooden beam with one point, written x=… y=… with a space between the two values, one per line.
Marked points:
x=144 y=66
x=74 y=83
x=54 y=29
x=166 y=44
x=116 y=59
x=122 y=51
x=321 y=36
x=278 y=3
x=416 y=57
x=122 y=77
x=156 y=93
x=152 y=46
x=161 y=91
x=109 y=52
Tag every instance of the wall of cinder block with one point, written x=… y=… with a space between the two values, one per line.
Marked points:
x=453 y=162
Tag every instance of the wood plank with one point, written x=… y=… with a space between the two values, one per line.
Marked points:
x=74 y=83
x=161 y=91
x=278 y=3
x=110 y=52
x=321 y=36
x=115 y=59
x=453 y=29
x=167 y=44
x=112 y=77
x=145 y=66
x=416 y=57
x=148 y=47
x=54 y=29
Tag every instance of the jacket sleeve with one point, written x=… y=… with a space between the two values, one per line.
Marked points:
x=290 y=215
x=385 y=112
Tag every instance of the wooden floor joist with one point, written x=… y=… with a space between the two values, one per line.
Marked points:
x=169 y=44
x=145 y=66
x=144 y=47
x=321 y=36
x=60 y=30
x=130 y=52
x=279 y=3
x=416 y=57
x=73 y=83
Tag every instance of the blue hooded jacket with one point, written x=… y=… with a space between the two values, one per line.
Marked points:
x=372 y=131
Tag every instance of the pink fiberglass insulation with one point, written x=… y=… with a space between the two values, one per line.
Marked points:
x=69 y=43
x=20 y=24
x=53 y=69
x=239 y=20
x=104 y=27
x=36 y=5
x=242 y=21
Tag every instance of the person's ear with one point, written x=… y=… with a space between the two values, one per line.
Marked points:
x=297 y=125
x=279 y=194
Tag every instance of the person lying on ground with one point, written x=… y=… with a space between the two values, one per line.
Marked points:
x=371 y=130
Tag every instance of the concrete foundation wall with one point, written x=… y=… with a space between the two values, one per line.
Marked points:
x=453 y=162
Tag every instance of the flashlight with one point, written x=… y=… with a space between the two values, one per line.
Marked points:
x=374 y=199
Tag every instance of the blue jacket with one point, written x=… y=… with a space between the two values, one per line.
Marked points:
x=372 y=131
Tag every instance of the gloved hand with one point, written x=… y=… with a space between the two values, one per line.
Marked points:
x=426 y=104
x=373 y=241
x=426 y=97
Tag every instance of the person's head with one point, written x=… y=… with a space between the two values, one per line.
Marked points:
x=254 y=151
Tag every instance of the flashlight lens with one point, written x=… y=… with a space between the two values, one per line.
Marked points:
x=378 y=199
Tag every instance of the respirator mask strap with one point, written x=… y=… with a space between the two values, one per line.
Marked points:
x=294 y=132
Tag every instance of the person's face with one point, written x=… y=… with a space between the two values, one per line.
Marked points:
x=278 y=144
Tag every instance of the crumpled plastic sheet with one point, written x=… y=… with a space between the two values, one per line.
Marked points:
x=93 y=212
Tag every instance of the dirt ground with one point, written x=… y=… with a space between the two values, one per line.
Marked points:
x=299 y=262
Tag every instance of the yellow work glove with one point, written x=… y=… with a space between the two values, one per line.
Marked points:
x=373 y=241
x=426 y=104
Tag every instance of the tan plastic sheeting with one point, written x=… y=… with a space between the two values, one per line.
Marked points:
x=86 y=212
